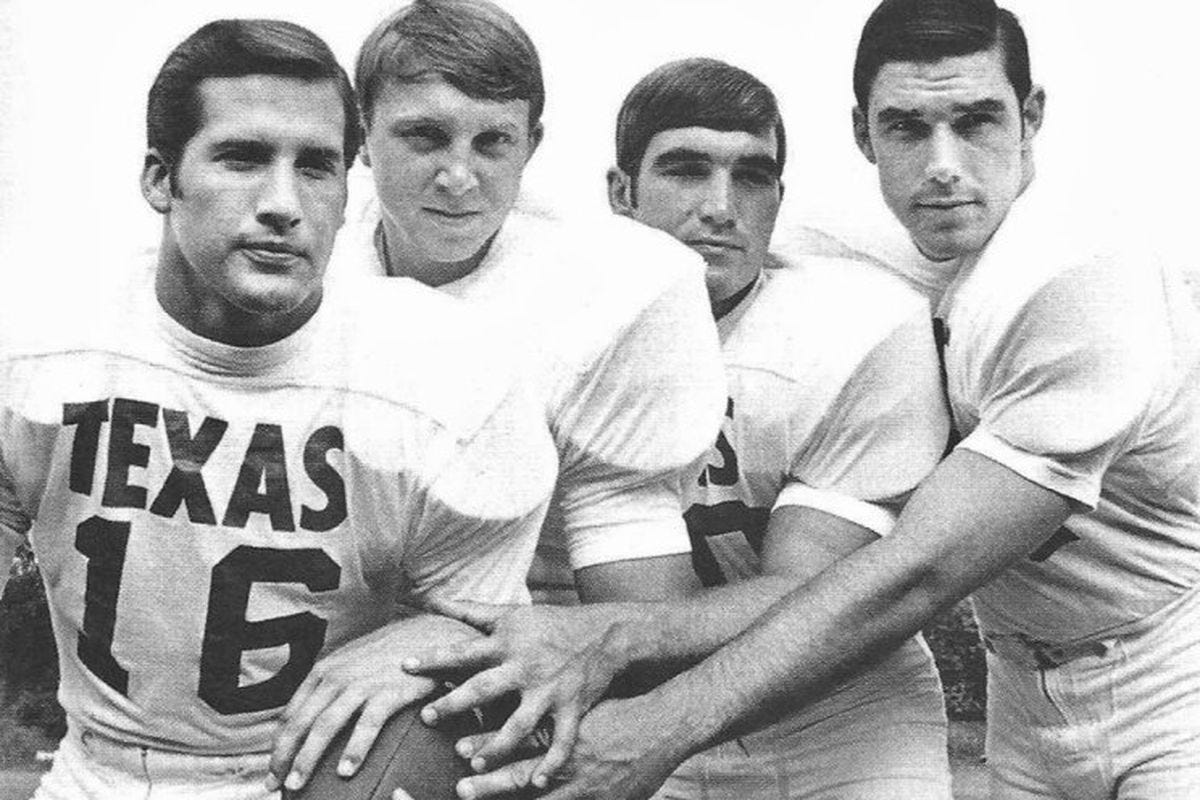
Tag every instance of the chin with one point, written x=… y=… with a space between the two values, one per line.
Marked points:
x=270 y=301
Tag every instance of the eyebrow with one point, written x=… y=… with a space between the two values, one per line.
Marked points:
x=686 y=155
x=987 y=105
x=261 y=148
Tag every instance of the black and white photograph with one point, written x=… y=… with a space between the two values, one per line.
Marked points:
x=673 y=399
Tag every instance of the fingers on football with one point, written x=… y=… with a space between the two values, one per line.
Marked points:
x=470 y=655
x=566 y=732
x=478 y=690
x=506 y=780
x=309 y=700
x=521 y=726
x=308 y=729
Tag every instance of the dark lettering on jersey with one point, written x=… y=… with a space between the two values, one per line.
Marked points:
x=228 y=634
x=89 y=417
x=185 y=482
x=731 y=516
x=1062 y=536
x=124 y=453
x=325 y=478
x=262 y=485
x=726 y=473
x=263 y=467
x=941 y=337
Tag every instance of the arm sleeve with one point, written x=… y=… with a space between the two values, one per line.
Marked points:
x=1071 y=381
x=645 y=412
x=883 y=433
x=478 y=523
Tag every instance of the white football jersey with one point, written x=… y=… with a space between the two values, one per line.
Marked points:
x=835 y=403
x=1080 y=371
x=617 y=338
x=210 y=519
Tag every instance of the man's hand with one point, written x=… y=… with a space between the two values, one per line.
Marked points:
x=560 y=660
x=624 y=751
x=361 y=678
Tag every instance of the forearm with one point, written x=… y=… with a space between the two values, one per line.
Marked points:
x=676 y=634
x=970 y=520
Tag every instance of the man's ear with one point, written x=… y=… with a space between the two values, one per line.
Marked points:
x=862 y=133
x=620 y=192
x=156 y=181
x=1033 y=112
x=535 y=138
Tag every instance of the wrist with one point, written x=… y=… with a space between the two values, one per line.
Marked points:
x=675 y=731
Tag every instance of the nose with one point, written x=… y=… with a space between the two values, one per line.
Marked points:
x=279 y=202
x=716 y=206
x=456 y=175
x=945 y=162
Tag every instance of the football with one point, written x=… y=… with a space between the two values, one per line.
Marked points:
x=408 y=754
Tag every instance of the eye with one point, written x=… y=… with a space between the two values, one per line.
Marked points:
x=696 y=170
x=907 y=128
x=494 y=143
x=757 y=178
x=424 y=138
x=242 y=157
x=318 y=165
x=974 y=121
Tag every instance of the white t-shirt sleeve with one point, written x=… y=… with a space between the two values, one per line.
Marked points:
x=1070 y=380
x=644 y=413
x=882 y=435
x=475 y=532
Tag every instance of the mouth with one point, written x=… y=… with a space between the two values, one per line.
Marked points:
x=714 y=245
x=947 y=204
x=453 y=217
x=271 y=253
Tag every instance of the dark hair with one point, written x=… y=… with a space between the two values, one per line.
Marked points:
x=234 y=48
x=473 y=45
x=695 y=92
x=930 y=30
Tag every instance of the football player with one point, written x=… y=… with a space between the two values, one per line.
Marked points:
x=612 y=317
x=225 y=472
x=1072 y=504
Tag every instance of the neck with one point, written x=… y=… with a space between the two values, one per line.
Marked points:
x=186 y=301
x=722 y=306
x=402 y=261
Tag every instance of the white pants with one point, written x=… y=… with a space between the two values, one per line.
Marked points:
x=88 y=766
x=883 y=738
x=1123 y=724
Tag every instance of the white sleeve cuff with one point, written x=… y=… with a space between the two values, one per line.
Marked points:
x=860 y=512
x=626 y=542
x=1082 y=489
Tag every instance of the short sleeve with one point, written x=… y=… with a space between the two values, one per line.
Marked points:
x=644 y=413
x=881 y=436
x=477 y=525
x=1071 y=380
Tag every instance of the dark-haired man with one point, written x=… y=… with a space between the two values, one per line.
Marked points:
x=1071 y=506
x=824 y=436
x=219 y=481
